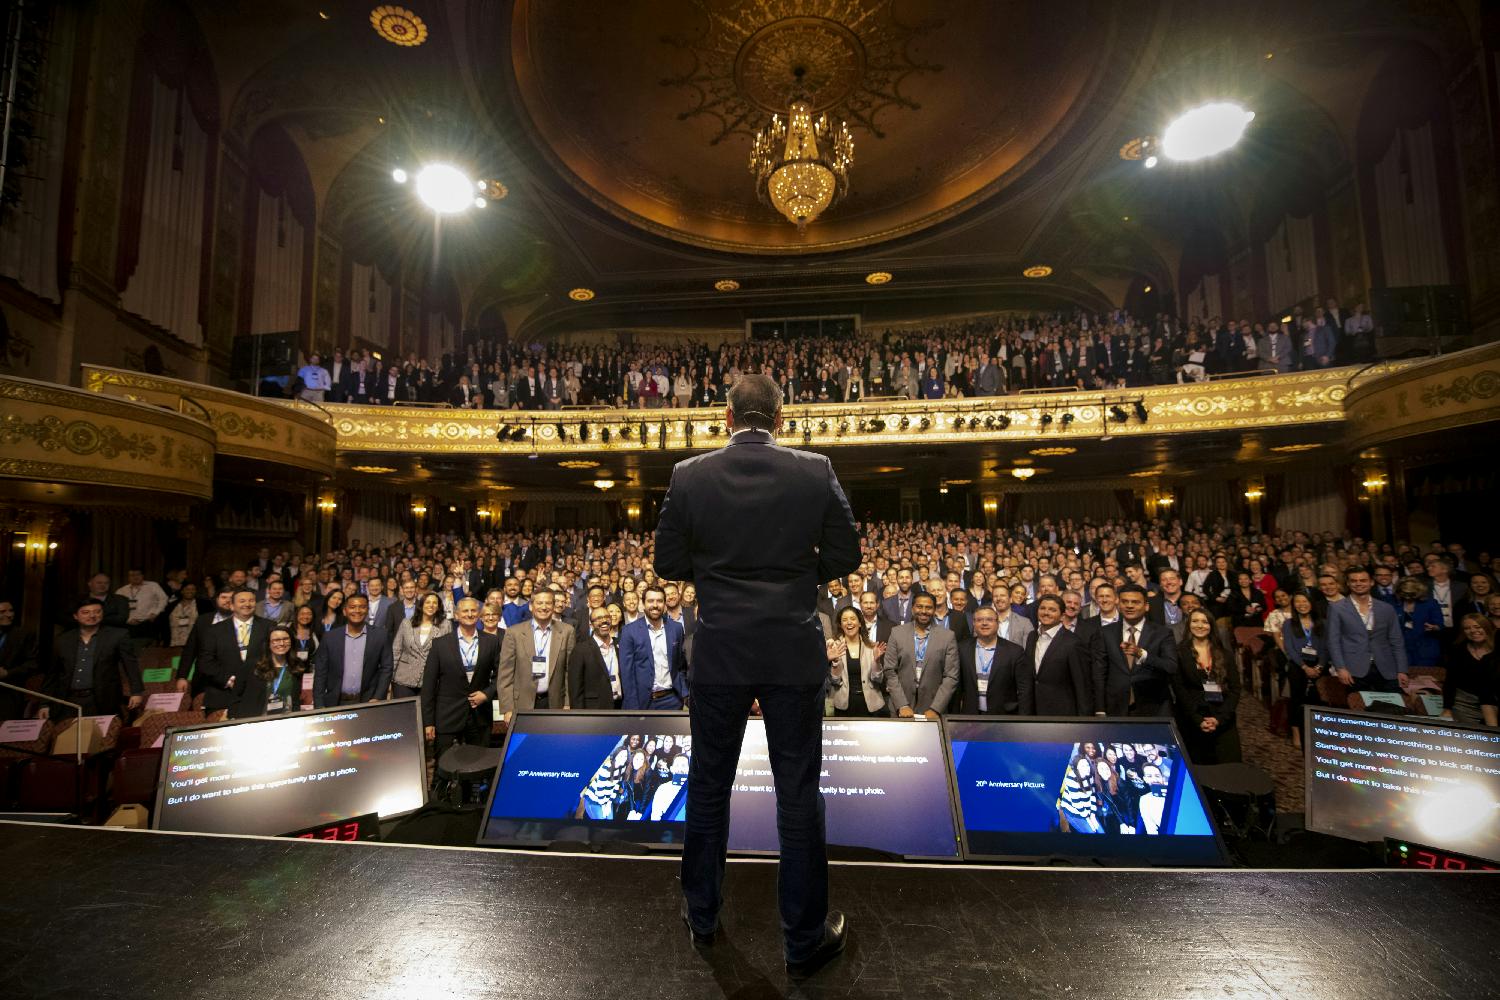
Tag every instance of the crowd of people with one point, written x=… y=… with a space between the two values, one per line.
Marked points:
x=973 y=357
x=1055 y=618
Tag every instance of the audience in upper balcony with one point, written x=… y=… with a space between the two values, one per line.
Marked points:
x=986 y=356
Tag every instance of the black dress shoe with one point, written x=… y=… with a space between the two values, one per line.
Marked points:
x=700 y=940
x=835 y=934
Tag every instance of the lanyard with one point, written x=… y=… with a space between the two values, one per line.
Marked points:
x=468 y=651
x=921 y=647
x=277 y=686
x=985 y=659
x=546 y=640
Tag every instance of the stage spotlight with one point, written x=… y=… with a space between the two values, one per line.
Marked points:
x=642 y=431
x=1150 y=162
x=958 y=423
x=877 y=425
x=661 y=436
x=444 y=188
x=973 y=423
x=624 y=432
x=1140 y=411
x=989 y=422
x=687 y=432
x=604 y=435
x=1046 y=419
x=1004 y=420
x=518 y=434
x=1118 y=414
x=807 y=433
x=863 y=426
x=843 y=427
x=583 y=431
x=926 y=423
x=822 y=427
x=713 y=430
x=1205 y=131
x=905 y=423
x=503 y=432
x=398 y=175
x=562 y=431
x=791 y=425
x=1067 y=418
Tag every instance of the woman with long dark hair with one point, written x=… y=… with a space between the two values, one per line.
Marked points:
x=413 y=642
x=333 y=615
x=853 y=668
x=274 y=686
x=1306 y=650
x=1207 y=693
x=1471 y=684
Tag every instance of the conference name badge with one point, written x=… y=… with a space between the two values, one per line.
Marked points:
x=538 y=666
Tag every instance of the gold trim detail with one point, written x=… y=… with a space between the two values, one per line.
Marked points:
x=1455 y=390
x=398 y=26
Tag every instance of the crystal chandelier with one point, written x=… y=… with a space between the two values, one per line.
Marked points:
x=800 y=165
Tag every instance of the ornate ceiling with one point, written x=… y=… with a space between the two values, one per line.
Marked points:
x=648 y=109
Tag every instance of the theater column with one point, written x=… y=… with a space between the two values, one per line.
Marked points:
x=327 y=507
x=36 y=540
x=418 y=516
x=1255 y=491
x=991 y=506
x=1374 y=494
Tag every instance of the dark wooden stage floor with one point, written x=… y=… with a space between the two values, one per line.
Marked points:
x=100 y=913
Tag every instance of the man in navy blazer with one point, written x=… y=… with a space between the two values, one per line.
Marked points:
x=757 y=528
x=897 y=607
x=653 y=669
x=336 y=679
x=1133 y=661
x=1365 y=647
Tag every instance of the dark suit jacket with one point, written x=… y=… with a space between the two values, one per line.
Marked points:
x=757 y=527
x=958 y=624
x=891 y=607
x=328 y=667
x=115 y=669
x=1001 y=697
x=1061 y=686
x=394 y=616
x=196 y=646
x=446 y=685
x=588 y=677
x=1151 y=680
x=220 y=660
x=883 y=626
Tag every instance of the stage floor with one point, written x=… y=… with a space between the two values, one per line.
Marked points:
x=95 y=913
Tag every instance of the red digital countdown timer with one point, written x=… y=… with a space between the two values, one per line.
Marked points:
x=366 y=827
x=1403 y=855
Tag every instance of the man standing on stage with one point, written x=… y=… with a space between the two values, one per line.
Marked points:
x=757 y=528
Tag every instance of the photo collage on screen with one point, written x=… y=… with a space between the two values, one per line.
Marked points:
x=642 y=778
x=1116 y=788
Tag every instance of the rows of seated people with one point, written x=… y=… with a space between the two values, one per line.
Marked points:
x=977 y=357
x=1055 y=618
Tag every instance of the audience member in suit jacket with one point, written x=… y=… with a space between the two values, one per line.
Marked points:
x=1057 y=682
x=234 y=645
x=1012 y=627
x=458 y=683
x=898 y=607
x=921 y=664
x=855 y=682
x=1365 y=648
x=1134 y=677
x=876 y=625
x=91 y=662
x=198 y=637
x=756 y=527
x=594 y=667
x=336 y=680
x=534 y=660
x=991 y=691
x=644 y=682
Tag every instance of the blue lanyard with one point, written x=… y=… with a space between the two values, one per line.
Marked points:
x=985 y=659
x=541 y=649
x=468 y=651
x=277 y=686
x=921 y=647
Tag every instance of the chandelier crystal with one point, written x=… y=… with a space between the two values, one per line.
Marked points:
x=801 y=165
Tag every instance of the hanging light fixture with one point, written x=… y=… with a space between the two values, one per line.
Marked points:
x=801 y=164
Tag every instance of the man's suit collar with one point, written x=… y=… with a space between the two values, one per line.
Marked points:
x=751 y=435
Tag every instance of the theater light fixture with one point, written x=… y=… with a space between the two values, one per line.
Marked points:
x=604 y=435
x=1003 y=420
x=1118 y=414
x=924 y=424
x=581 y=294
x=577 y=463
x=1067 y=419
x=791 y=425
x=419 y=509
x=444 y=188
x=1205 y=131
x=374 y=470
x=1254 y=493
x=727 y=285
x=958 y=423
x=878 y=278
x=877 y=425
x=1046 y=420
x=399 y=176
x=905 y=423
x=822 y=427
x=1165 y=500
x=398 y=25
x=604 y=484
x=1022 y=472
x=943 y=489
x=991 y=505
x=1140 y=411
x=1037 y=271
x=1052 y=452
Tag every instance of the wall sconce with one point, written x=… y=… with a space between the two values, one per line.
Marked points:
x=1374 y=484
x=482 y=512
x=991 y=505
x=328 y=506
x=633 y=510
x=1165 y=500
x=1254 y=493
x=419 y=509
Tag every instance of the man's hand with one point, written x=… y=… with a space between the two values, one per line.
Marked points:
x=181 y=686
x=430 y=733
x=1129 y=649
x=931 y=715
x=136 y=701
x=1311 y=672
x=1403 y=681
x=906 y=713
x=1210 y=725
x=1344 y=675
x=477 y=698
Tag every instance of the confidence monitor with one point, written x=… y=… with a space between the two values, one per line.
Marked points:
x=599 y=777
x=273 y=775
x=1090 y=791
x=1428 y=781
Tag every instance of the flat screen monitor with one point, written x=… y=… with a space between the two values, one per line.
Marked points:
x=1090 y=791
x=274 y=775
x=1427 y=781
x=885 y=787
x=592 y=777
x=597 y=777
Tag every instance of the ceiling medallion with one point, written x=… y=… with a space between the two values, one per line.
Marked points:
x=577 y=463
x=727 y=285
x=801 y=164
x=1037 y=271
x=374 y=470
x=1051 y=452
x=581 y=294
x=398 y=26
x=878 y=278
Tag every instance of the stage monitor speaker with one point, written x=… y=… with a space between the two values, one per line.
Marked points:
x=256 y=356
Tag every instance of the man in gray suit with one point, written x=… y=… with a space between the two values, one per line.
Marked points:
x=1365 y=648
x=921 y=664
x=1013 y=627
x=986 y=377
x=534 y=660
x=274 y=606
x=1275 y=349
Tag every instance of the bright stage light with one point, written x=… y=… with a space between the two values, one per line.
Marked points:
x=398 y=175
x=1205 y=131
x=444 y=189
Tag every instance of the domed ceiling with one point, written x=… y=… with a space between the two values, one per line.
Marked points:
x=648 y=109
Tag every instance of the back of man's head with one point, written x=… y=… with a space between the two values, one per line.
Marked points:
x=756 y=401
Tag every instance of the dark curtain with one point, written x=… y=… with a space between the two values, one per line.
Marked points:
x=1275 y=496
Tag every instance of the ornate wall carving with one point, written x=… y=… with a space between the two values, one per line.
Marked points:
x=1456 y=390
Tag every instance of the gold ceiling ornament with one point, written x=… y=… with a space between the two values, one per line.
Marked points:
x=1052 y=452
x=577 y=463
x=1037 y=271
x=878 y=278
x=604 y=484
x=581 y=294
x=1289 y=449
x=1024 y=472
x=492 y=190
x=1147 y=473
x=727 y=285
x=801 y=163
x=374 y=470
x=398 y=25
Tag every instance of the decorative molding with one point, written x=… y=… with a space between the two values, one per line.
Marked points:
x=281 y=433
x=1455 y=390
x=53 y=433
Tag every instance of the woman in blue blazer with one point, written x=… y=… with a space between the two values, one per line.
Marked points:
x=1421 y=621
x=1306 y=644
